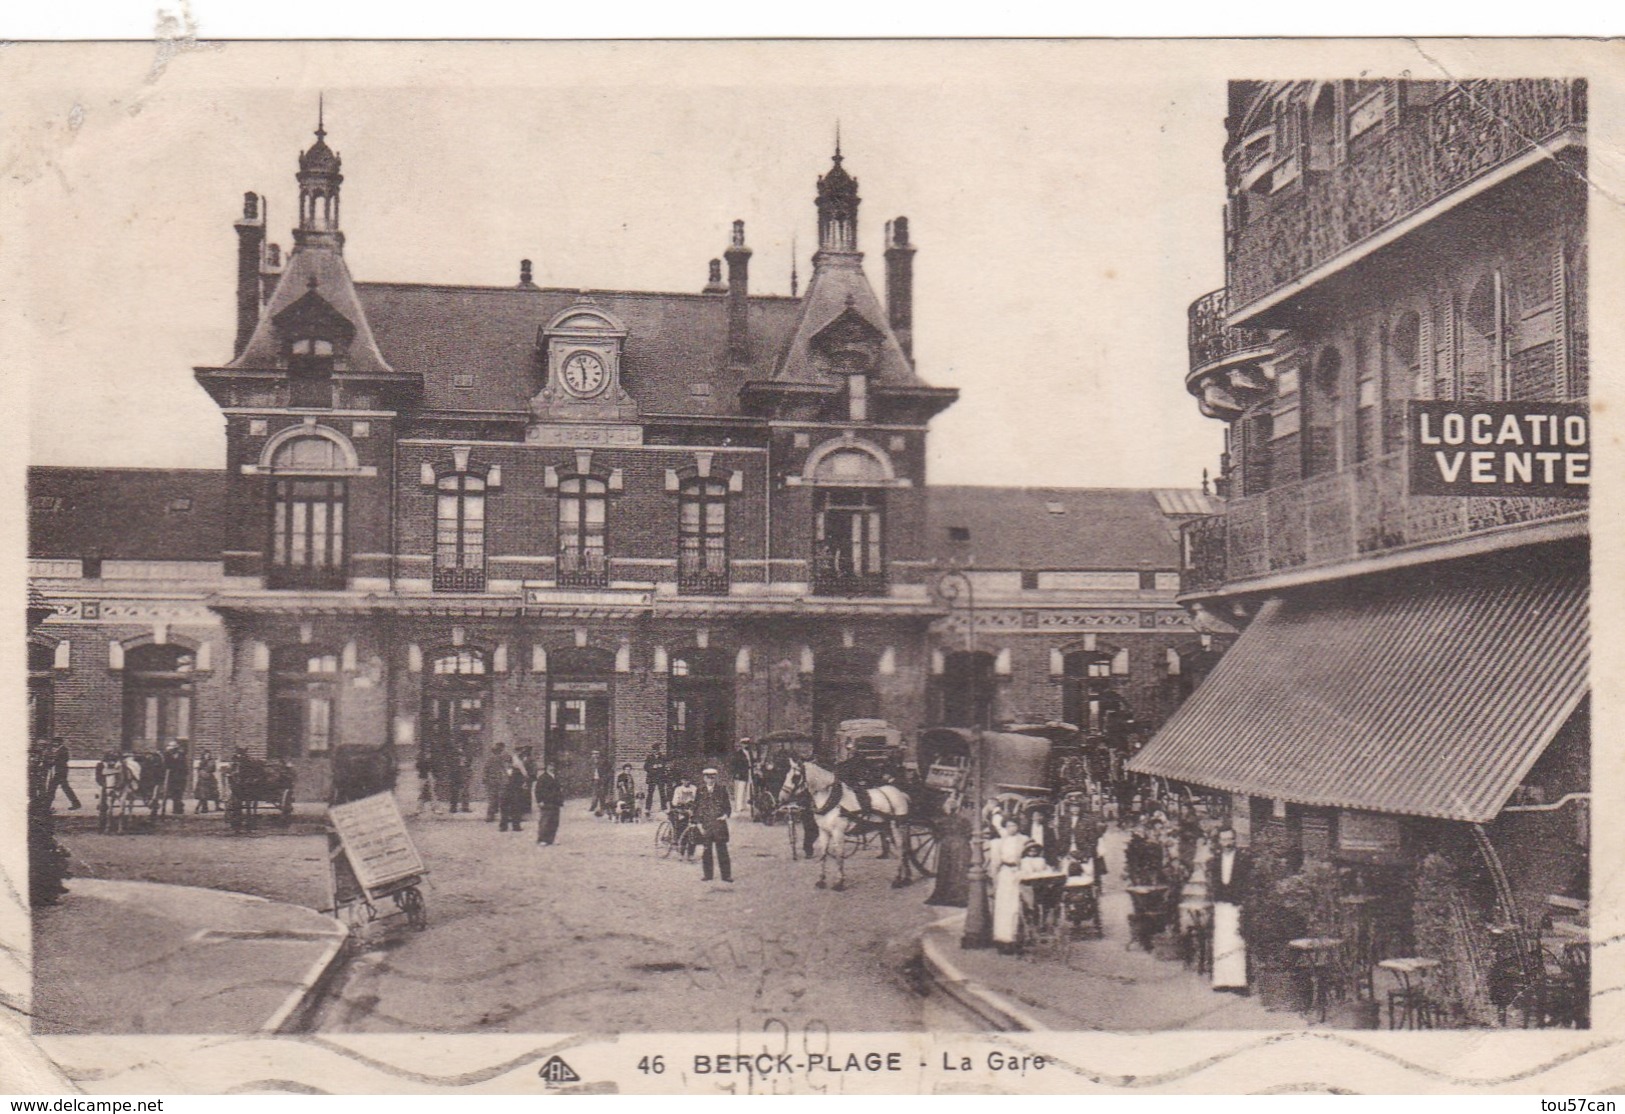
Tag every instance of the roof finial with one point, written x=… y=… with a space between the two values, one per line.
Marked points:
x=321 y=130
x=795 y=281
x=837 y=140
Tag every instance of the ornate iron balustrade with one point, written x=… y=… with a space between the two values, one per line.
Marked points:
x=1360 y=511
x=450 y=579
x=1435 y=149
x=583 y=568
x=1210 y=341
x=702 y=573
x=832 y=578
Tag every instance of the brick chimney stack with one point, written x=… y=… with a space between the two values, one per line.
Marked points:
x=738 y=257
x=900 y=284
x=714 y=283
x=250 y=247
x=525 y=282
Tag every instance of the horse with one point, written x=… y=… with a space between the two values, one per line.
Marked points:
x=839 y=808
x=134 y=778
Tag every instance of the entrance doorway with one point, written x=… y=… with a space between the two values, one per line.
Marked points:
x=968 y=686
x=455 y=696
x=843 y=689
x=700 y=708
x=579 y=687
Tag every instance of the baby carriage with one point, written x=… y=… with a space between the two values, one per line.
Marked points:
x=1080 y=900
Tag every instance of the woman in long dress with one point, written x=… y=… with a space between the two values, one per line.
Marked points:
x=1004 y=864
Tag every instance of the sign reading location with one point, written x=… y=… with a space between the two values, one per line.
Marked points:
x=1500 y=448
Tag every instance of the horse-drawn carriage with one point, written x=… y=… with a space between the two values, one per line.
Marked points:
x=249 y=782
x=127 y=783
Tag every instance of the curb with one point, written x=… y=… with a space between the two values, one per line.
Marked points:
x=988 y=1005
x=293 y=1012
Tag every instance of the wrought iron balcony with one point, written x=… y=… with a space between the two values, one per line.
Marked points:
x=1357 y=512
x=451 y=579
x=323 y=578
x=833 y=577
x=583 y=568
x=1225 y=372
x=1475 y=128
x=702 y=573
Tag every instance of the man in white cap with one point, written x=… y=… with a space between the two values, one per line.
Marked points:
x=711 y=811
x=739 y=771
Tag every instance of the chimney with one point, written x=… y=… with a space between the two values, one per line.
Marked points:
x=900 y=284
x=525 y=282
x=715 y=285
x=738 y=257
x=270 y=271
x=250 y=246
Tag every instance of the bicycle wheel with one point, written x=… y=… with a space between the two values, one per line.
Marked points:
x=688 y=842
x=665 y=839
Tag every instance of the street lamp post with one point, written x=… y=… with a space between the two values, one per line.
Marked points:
x=952 y=584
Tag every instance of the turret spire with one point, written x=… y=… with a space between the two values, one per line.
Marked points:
x=837 y=206
x=319 y=180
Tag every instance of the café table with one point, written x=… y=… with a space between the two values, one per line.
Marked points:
x=1412 y=972
x=1318 y=956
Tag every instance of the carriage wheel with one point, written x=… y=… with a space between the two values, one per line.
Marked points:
x=665 y=839
x=234 y=813
x=923 y=849
x=286 y=804
x=411 y=903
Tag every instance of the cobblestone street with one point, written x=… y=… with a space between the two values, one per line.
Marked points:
x=595 y=933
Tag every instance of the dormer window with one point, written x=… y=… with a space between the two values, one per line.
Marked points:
x=310 y=373
x=857 y=397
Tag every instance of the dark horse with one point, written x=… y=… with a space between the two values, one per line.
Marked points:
x=362 y=772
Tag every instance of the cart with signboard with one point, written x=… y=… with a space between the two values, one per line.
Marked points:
x=372 y=859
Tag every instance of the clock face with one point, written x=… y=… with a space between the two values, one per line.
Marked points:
x=584 y=373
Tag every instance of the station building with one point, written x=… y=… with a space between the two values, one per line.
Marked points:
x=454 y=516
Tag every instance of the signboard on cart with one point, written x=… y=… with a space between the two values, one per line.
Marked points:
x=375 y=840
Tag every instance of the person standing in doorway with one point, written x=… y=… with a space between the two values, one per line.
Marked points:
x=1229 y=874
x=603 y=783
x=175 y=777
x=549 y=797
x=59 y=775
x=739 y=771
x=711 y=811
x=515 y=791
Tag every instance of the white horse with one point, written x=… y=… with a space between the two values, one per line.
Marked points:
x=839 y=808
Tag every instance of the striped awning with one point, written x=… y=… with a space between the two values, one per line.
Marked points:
x=1429 y=701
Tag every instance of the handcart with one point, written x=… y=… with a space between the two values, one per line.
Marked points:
x=371 y=858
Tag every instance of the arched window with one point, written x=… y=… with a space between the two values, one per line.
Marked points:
x=583 y=508
x=702 y=537
x=307 y=527
x=1406 y=377
x=459 y=540
x=304 y=702
x=1324 y=415
x=1483 y=321
x=460 y=663
x=158 y=692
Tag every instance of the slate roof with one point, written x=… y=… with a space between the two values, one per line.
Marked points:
x=126 y=513
x=839 y=286
x=1054 y=528
x=314 y=269
x=674 y=342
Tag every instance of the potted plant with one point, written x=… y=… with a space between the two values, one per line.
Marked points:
x=1268 y=924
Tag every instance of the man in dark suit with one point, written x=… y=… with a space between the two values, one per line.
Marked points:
x=1228 y=877
x=549 y=796
x=711 y=811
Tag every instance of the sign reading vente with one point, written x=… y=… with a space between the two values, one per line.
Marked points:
x=1500 y=448
x=376 y=841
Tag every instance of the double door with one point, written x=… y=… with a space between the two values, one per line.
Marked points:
x=454 y=735
x=578 y=726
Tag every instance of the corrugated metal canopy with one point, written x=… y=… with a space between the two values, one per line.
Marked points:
x=1433 y=701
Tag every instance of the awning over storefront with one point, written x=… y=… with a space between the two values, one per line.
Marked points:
x=1430 y=701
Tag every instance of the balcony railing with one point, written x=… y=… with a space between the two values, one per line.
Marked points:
x=451 y=579
x=315 y=578
x=1361 y=511
x=583 y=568
x=702 y=574
x=832 y=577
x=1211 y=342
x=1435 y=149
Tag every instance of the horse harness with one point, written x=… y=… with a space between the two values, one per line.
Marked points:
x=837 y=790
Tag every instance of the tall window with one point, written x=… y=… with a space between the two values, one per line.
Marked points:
x=849 y=555
x=307 y=544
x=1324 y=415
x=1406 y=374
x=158 y=696
x=304 y=702
x=1483 y=334
x=459 y=541
x=702 y=537
x=1088 y=700
x=310 y=373
x=41 y=690
x=583 y=562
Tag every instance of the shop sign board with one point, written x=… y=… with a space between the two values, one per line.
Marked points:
x=1500 y=448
